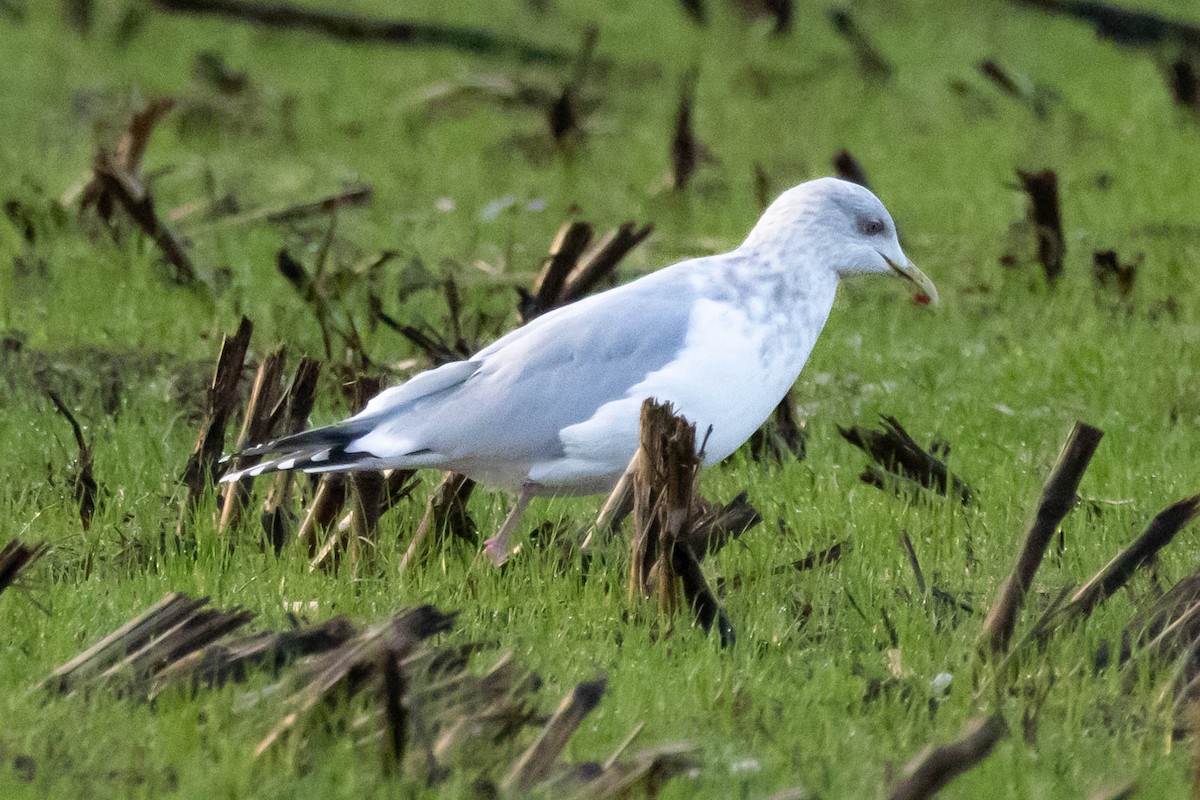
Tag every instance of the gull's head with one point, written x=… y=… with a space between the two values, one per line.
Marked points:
x=836 y=226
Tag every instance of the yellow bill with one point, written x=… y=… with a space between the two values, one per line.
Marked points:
x=909 y=272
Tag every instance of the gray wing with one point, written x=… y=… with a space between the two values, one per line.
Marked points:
x=552 y=373
x=508 y=402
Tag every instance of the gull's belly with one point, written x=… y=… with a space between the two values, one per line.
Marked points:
x=732 y=374
x=734 y=399
x=733 y=412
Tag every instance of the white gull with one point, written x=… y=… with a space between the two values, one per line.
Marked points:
x=553 y=407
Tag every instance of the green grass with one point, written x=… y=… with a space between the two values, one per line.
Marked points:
x=1000 y=371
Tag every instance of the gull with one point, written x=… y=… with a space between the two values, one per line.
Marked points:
x=553 y=407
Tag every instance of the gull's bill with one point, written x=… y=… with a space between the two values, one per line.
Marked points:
x=910 y=272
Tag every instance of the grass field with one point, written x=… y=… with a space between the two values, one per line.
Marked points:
x=1000 y=372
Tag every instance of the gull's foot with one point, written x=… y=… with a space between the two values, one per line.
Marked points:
x=496 y=549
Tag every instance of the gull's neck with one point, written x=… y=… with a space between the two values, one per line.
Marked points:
x=781 y=281
x=778 y=276
x=791 y=254
x=785 y=293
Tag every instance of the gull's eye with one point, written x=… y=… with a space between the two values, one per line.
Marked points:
x=871 y=226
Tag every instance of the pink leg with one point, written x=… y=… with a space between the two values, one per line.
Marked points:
x=497 y=546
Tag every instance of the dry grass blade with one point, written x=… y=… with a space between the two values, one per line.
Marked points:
x=617 y=506
x=356 y=196
x=930 y=771
x=662 y=499
x=624 y=745
x=871 y=62
x=15 y=557
x=445 y=513
x=292 y=412
x=685 y=147
x=1109 y=271
x=1057 y=499
x=354 y=28
x=1046 y=218
x=568 y=245
x=661 y=558
x=782 y=436
x=136 y=673
x=329 y=555
x=715 y=526
x=1153 y=618
x=910 y=551
x=356 y=661
x=849 y=168
x=130 y=637
x=328 y=501
x=642 y=775
x=895 y=451
x=1116 y=573
x=830 y=555
x=133 y=195
x=200 y=471
x=257 y=426
x=1177 y=636
x=697 y=594
x=534 y=765
x=595 y=265
x=223 y=662
x=84 y=485
x=1122 y=25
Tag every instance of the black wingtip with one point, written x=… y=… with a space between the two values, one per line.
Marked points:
x=324 y=459
x=335 y=437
